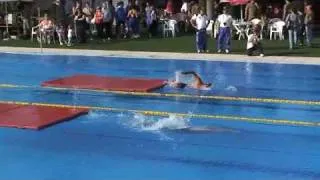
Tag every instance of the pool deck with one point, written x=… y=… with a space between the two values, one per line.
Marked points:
x=165 y=55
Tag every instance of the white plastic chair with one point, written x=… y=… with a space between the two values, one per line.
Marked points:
x=34 y=32
x=256 y=21
x=276 y=28
x=169 y=27
x=240 y=31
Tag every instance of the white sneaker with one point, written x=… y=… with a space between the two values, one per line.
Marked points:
x=198 y=51
x=261 y=55
x=61 y=43
x=227 y=51
x=219 y=51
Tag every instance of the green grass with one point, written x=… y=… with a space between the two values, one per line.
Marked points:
x=179 y=44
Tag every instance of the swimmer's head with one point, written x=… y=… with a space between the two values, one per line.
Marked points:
x=176 y=84
x=179 y=85
x=208 y=85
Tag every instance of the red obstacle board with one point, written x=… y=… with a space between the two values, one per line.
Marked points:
x=35 y=117
x=8 y=107
x=106 y=83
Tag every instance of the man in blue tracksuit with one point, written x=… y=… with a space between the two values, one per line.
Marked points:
x=224 y=40
x=200 y=22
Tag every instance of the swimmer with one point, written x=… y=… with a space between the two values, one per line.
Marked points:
x=197 y=82
x=205 y=129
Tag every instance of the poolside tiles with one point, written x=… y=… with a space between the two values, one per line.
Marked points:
x=35 y=117
x=106 y=83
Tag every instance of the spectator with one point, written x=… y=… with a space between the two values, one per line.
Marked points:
x=121 y=16
x=151 y=20
x=292 y=22
x=70 y=35
x=286 y=9
x=224 y=21
x=307 y=6
x=133 y=23
x=200 y=23
x=308 y=21
x=148 y=14
x=75 y=8
x=169 y=8
x=154 y=23
x=194 y=8
x=137 y=7
x=80 y=26
x=107 y=11
x=98 y=20
x=128 y=7
x=61 y=34
x=87 y=12
x=254 y=42
x=45 y=24
x=301 y=28
x=45 y=27
x=276 y=13
x=251 y=11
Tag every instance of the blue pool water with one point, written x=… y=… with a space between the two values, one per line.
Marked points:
x=130 y=146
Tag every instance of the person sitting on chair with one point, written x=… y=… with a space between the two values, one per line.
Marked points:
x=254 y=43
x=45 y=26
x=182 y=80
x=46 y=23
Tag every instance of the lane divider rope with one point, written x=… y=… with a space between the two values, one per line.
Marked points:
x=176 y=95
x=185 y=115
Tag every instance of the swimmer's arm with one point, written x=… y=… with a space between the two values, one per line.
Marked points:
x=198 y=80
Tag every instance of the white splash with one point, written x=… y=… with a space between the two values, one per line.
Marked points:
x=96 y=117
x=147 y=123
x=231 y=88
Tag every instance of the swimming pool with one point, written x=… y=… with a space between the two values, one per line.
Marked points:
x=126 y=145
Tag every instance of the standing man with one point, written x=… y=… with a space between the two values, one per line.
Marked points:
x=292 y=22
x=224 y=21
x=286 y=9
x=251 y=11
x=308 y=21
x=200 y=23
x=121 y=16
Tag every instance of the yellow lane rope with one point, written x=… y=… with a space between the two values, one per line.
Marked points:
x=185 y=115
x=176 y=95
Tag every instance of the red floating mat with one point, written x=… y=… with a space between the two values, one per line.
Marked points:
x=106 y=83
x=36 y=117
x=8 y=107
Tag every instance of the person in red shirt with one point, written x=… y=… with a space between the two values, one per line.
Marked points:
x=169 y=8
x=98 y=21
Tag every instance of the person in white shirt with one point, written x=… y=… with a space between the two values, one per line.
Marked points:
x=225 y=22
x=254 y=42
x=70 y=35
x=200 y=22
x=61 y=34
